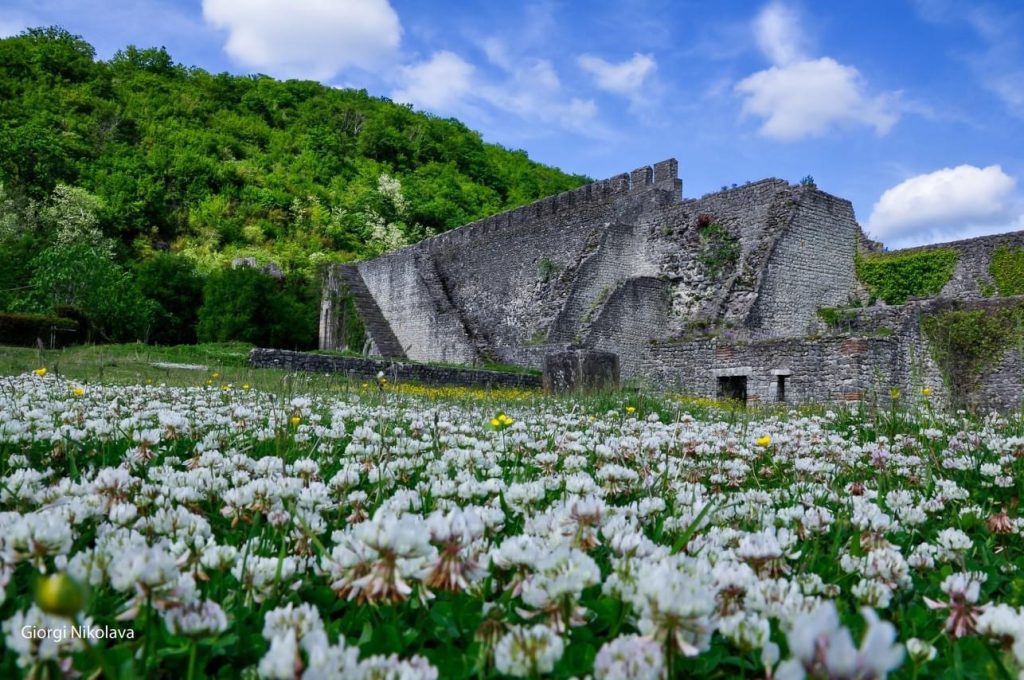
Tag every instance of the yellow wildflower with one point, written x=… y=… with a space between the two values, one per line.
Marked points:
x=215 y=376
x=295 y=421
x=763 y=440
x=245 y=386
x=894 y=393
x=40 y=371
x=78 y=390
x=926 y=391
x=495 y=422
x=631 y=409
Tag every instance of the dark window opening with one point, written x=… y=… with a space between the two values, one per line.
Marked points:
x=782 y=387
x=733 y=387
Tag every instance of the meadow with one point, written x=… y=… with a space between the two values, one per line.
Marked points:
x=223 y=522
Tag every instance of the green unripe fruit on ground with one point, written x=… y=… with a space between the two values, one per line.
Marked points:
x=60 y=595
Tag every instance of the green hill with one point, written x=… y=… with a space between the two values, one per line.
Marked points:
x=148 y=160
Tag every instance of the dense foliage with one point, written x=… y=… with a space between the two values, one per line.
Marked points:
x=366 y=533
x=147 y=155
x=966 y=342
x=247 y=305
x=1007 y=269
x=897 y=277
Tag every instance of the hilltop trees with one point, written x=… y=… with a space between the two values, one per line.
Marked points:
x=170 y=172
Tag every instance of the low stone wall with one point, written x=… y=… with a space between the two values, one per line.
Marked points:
x=359 y=367
x=795 y=370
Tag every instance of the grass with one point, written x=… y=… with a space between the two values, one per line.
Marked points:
x=226 y=366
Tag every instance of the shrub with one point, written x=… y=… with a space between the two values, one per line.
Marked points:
x=966 y=342
x=244 y=304
x=897 y=277
x=1007 y=269
x=719 y=249
x=88 y=278
x=26 y=329
x=174 y=285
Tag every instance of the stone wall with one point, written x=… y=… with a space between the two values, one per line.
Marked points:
x=811 y=266
x=973 y=257
x=365 y=368
x=494 y=289
x=811 y=369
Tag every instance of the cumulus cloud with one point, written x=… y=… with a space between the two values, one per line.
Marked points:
x=810 y=98
x=625 y=78
x=313 y=39
x=803 y=97
x=440 y=82
x=946 y=204
x=778 y=34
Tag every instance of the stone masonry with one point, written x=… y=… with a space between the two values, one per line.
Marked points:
x=714 y=296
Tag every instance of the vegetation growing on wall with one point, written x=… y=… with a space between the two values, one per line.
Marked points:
x=719 y=249
x=966 y=342
x=897 y=277
x=1007 y=269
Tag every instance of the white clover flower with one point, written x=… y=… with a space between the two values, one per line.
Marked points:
x=376 y=560
x=528 y=651
x=674 y=602
x=821 y=648
x=303 y=620
x=920 y=651
x=198 y=619
x=952 y=544
x=282 y=660
x=629 y=657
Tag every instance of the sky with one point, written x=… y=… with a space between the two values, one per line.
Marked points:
x=912 y=109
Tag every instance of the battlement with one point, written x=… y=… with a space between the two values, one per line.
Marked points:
x=662 y=176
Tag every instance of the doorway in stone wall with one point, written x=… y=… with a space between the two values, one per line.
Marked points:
x=733 y=387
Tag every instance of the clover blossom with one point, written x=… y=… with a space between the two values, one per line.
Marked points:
x=528 y=651
x=629 y=657
x=821 y=648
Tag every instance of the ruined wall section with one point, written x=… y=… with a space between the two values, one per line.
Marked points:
x=753 y=215
x=492 y=289
x=634 y=312
x=811 y=265
x=813 y=369
x=971 y=276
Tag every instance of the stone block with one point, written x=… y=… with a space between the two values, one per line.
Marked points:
x=580 y=369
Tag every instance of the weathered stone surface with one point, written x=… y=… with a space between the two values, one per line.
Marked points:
x=359 y=367
x=580 y=369
x=683 y=291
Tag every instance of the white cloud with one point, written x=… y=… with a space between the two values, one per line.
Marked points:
x=947 y=204
x=309 y=39
x=810 y=98
x=625 y=78
x=779 y=35
x=442 y=81
x=803 y=97
x=527 y=89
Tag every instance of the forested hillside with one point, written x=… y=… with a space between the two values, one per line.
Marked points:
x=129 y=186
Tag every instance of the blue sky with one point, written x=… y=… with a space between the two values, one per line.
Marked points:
x=912 y=109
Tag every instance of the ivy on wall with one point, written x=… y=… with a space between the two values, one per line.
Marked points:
x=896 y=277
x=1007 y=269
x=719 y=250
x=966 y=342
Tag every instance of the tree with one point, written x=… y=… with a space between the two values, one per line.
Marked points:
x=174 y=285
x=244 y=304
x=86 y=277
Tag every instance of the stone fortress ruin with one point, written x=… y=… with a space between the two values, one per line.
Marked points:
x=762 y=292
